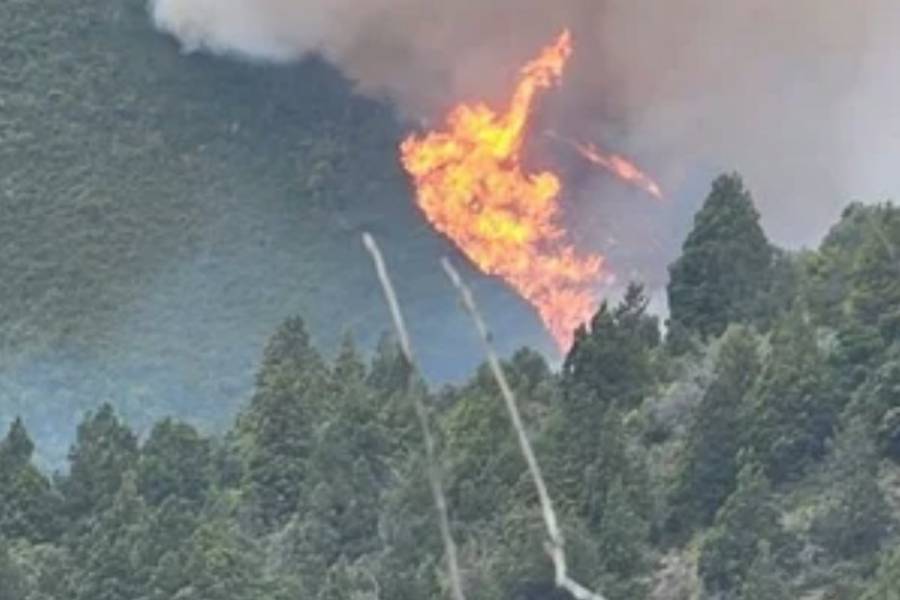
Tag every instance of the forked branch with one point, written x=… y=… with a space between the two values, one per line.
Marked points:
x=555 y=543
x=434 y=474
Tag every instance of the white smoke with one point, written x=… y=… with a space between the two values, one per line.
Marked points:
x=802 y=97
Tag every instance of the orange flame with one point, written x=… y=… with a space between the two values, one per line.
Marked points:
x=616 y=164
x=473 y=188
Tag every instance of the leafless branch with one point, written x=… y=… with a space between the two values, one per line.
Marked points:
x=555 y=545
x=434 y=474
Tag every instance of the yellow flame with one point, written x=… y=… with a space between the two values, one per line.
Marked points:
x=472 y=187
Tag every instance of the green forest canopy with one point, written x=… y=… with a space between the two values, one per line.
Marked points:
x=762 y=462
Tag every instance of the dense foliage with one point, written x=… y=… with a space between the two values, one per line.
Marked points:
x=756 y=457
x=750 y=452
x=726 y=265
x=162 y=213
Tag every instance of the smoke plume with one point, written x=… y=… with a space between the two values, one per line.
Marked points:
x=802 y=97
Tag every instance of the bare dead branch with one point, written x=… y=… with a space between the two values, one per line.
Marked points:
x=434 y=474
x=555 y=545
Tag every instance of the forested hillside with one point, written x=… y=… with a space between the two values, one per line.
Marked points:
x=162 y=213
x=751 y=452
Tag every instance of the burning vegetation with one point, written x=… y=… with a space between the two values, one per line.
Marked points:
x=472 y=186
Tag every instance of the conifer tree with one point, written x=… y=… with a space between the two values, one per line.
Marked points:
x=731 y=546
x=609 y=362
x=795 y=405
x=107 y=552
x=28 y=505
x=726 y=263
x=856 y=517
x=708 y=466
x=103 y=452
x=878 y=403
x=275 y=433
x=223 y=564
x=622 y=543
x=875 y=294
x=174 y=463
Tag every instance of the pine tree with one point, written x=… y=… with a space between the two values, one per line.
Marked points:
x=17 y=448
x=346 y=471
x=828 y=272
x=388 y=372
x=731 y=546
x=484 y=467
x=623 y=544
x=28 y=505
x=222 y=564
x=104 y=451
x=275 y=433
x=852 y=286
x=875 y=294
x=610 y=363
x=795 y=407
x=161 y=554
x=726 y=264
x=856 y=517
x=174 y=462
x=708 y=466
x=108 y=552
x=878 y=403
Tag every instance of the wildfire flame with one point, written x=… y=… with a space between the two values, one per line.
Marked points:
x=472 y=187
x=616 y=164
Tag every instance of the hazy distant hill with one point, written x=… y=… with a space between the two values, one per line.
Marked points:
x=162 y=213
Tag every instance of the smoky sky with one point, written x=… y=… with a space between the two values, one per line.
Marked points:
x=802 y=97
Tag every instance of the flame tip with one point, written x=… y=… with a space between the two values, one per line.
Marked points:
x=473 y=188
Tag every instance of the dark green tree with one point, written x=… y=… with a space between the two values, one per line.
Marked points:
x=48 y=570
x=586 y=461
x=829 y=271
x=622 y=542
x=707 y=468
x=485 y=469
x=795 y=405
x=875 y=294
x=388 y=372
x=174 y=462
x=610 y=361
x=725 y=268
x=223 y=564
x=17 y=448
x=878 y=403
x=104 y=450
x=28 y=505
x=732 y=545
x=108 y=551
x=346 y=472
x=412 y=562
x=275 y=432
x=851 y=286
x=856 y=518
x=161 y=554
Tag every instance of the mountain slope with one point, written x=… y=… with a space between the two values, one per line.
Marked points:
x=162 y=213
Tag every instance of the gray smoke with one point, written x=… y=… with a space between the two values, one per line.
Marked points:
x=801 y=96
